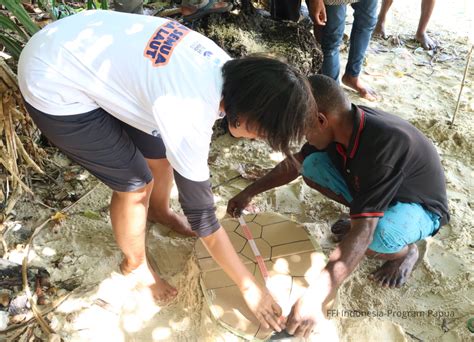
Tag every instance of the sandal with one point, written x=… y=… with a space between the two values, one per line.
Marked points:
x=212 y=6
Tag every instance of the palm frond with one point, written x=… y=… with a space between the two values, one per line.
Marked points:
x=16 y=8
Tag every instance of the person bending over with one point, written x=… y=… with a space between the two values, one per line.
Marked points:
x=381 y=167
x=133 y=99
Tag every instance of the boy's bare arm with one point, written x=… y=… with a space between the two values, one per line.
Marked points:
x=342 y=262
x=282 y=174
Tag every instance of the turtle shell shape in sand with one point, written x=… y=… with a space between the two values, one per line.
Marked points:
x=292 y=258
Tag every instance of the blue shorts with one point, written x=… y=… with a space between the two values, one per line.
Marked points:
x=402 y=223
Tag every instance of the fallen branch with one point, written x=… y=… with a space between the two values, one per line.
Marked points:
x=462 y=83
x=43 y=312
x=15 y=176
x=38 y=315
x=25 y=155
x=413 y=336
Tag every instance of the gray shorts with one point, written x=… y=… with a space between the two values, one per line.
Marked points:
x=111 y=150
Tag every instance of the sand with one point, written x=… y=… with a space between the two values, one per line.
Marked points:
x=434 y=305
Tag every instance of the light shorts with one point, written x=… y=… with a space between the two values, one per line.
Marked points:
x=402 y=223
x=111 y=150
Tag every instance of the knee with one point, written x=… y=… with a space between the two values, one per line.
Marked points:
x=315 y=168
x=309 y=169
x=366 y=18
x=310 y=182
x=385 y=241
x=330 y=44
x=140 y=194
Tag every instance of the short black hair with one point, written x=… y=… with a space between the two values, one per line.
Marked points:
x=329 y=95
x=273 y=96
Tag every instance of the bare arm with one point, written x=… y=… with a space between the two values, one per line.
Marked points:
x=282 y=174
x=342 y=262
x=347 y=255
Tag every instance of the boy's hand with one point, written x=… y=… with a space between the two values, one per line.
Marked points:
x=238 y=203
x=263 y=306
x=317 y=12
x=311 y=308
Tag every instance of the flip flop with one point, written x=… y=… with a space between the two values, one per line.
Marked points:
x=208 y=9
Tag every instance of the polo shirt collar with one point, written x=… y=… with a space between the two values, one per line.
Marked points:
x=358 y=126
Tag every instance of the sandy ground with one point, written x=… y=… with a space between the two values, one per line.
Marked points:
x=436 y=303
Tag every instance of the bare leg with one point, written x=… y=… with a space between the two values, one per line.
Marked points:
x=355 y=83
x=398 y=267
x=426 y=42
x=396 y=270
x=160 y=210
x=128 y=211
x=341 y=227
x=380 y=27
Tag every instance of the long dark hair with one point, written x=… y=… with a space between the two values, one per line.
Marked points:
x=273 y=97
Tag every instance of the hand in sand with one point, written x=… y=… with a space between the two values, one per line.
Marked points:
x=263 y=306
x=305 y=314
x=238 y=203
x=145 y=276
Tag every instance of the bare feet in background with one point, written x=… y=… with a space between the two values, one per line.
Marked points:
x=356 y=84
x=379 y=31
x=426 y=42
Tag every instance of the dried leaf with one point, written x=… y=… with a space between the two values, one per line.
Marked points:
x=399 y=73
x=91 y=215
x=58 y=217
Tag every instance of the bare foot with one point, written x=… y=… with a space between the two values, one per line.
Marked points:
x=356 y=84
x=379 y=31
x=340 y=228
x=178 y=223
x=394 y=273
x=426 y=42
x=145 y=276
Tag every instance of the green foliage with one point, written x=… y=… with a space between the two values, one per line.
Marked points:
x=57 y=11
x=7 y=24
x=96 y=4
x=12 y=35
x=12 y=45
x=15 y=7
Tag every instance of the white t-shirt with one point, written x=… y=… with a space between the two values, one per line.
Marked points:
x=151 y=73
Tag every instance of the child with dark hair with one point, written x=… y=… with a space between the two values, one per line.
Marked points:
x=380 y=166
x=133 y=100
